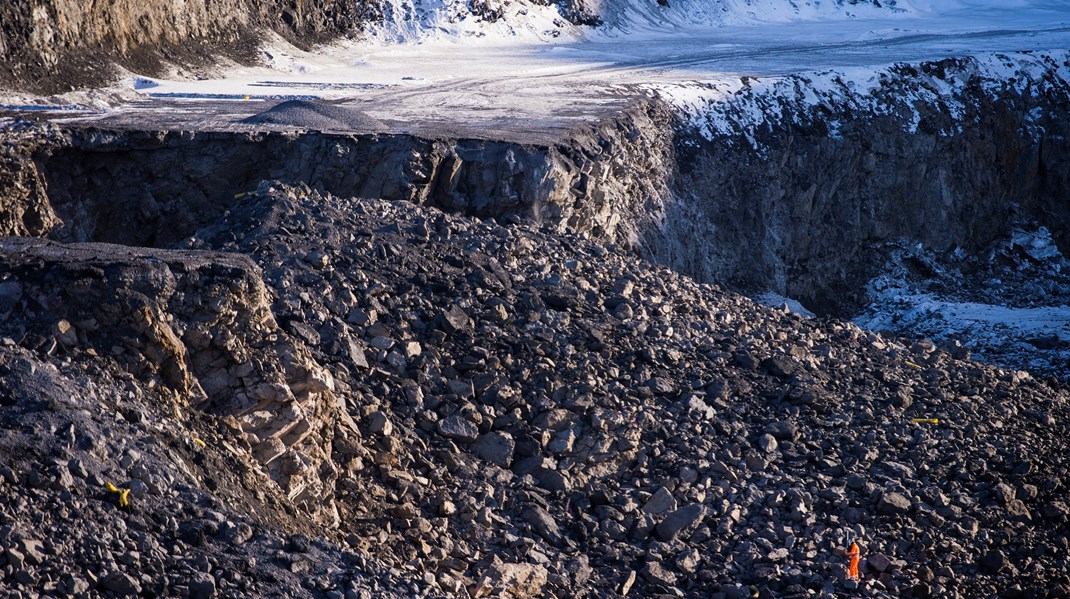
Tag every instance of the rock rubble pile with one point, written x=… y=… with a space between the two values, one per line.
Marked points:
x=474 y=408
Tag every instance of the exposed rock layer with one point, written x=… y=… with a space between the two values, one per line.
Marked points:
x=796 y=198
x=198 y=324
x=55 y=45
x=153 y=188
x=792 y=202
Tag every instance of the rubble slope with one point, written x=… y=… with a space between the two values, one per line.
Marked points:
x=524 y=412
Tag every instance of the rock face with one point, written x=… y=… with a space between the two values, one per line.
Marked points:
x=199 y=325
x=50 y=41
x=788 y=202
x=154 y=188
x=945 y=154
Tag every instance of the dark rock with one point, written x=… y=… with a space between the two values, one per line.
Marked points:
x=767 y=443
x=679 y=520
x=658 y=574
x=778 y=366
x=878 y=562
x=455 y=320
x=543 y=523
x=995 y=561
x=660 y=502
x=457 y=427
x=1004 y=493
x=495 y=447
x=121 y=584
x=893 y=504
x=203 y=586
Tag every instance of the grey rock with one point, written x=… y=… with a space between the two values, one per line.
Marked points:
x=379 y=424
x=679 y=520
x=455 y=320
x=74 y=585
x=893 y=504
x=203 y=586
x=879 y=562
x=356 y=354
x=1004 y=493
x=543 y=524
x=660 y=502
x=658 y=574
x=495 y=447
x=458 y=428
x=361 y=317
x=15 y=557
x=562 y=441
x=121 y=583
x=238 y=534
x=551 y=479
x=661 y=386
x=767 y=443
x=688 y=561
x=33 y=550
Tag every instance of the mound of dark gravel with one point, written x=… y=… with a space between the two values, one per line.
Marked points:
x=321 y=116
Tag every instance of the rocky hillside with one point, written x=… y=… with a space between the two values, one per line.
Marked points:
x=333 y=397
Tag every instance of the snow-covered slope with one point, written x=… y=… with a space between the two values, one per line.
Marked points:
x=632 y=16
x=732 y=105
x=412 y=21
x=407 y=21
x=1009 y=305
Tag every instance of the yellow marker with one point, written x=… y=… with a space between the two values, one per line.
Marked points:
x=199 y=443
x=246 y=98
x=124 y=494
x=925 y=420
x=913 y=365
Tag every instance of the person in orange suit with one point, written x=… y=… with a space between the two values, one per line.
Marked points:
x=854 y=554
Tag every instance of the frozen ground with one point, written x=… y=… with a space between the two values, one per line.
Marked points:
x=1010 y=305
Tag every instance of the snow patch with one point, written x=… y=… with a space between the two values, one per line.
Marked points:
x=1009 y=306
x=775 y=300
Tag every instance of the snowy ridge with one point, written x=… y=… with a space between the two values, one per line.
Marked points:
x=722 y=107
x=414 y=21
x=409 y=21
x=631 y=16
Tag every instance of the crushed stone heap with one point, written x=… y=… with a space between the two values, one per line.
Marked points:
x=477 y=409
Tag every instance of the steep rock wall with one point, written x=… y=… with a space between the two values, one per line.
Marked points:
x=49 y=45
x=789 y=184
x=155 y=188
x=792 y=194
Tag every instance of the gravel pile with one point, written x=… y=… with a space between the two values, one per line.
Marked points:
x=316 y=115
x=513 y=412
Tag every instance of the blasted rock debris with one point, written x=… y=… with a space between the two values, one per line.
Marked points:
x=474 y=409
